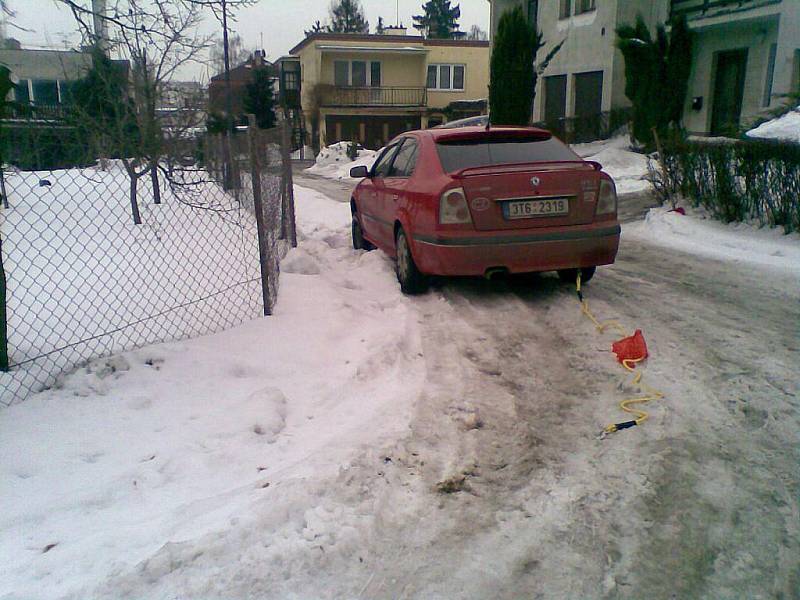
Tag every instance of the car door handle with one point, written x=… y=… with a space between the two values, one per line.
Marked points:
x=395 y=197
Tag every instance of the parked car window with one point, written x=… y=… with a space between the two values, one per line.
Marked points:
x=406 y=159
x=463 y=154
x=383 y=164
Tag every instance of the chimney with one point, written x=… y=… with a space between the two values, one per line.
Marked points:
x=100 y=25
x=396 y=30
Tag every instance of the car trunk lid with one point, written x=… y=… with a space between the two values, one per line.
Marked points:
x=520 y=178
x=530 y=196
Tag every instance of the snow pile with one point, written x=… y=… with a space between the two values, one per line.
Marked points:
x=628 y=168
x=334 y=163
x=737 y=242
x=201 y=469
x=785 y=127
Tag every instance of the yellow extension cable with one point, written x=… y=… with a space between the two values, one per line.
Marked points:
x=629 y=364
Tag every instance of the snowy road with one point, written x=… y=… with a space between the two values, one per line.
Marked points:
x=359 y=444
x=700 y=502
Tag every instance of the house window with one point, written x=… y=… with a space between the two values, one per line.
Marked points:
x=445 y=82
x=356 y=73
x=22 y=92
x=583 y=6
x=290 y=80
x=45 y=91
x=375 y=74
x=65 y=92
x=341 y=73
x=432 y=76
x=446 y=77
x=359 y=73
x=564 y=9
x=773 y=51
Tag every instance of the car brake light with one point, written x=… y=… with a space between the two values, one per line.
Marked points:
x=607 y=198
x=453 y=208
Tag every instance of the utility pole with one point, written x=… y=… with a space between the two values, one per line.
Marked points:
x=228 y=183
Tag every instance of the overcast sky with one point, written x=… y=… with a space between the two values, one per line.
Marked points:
x=281 y=22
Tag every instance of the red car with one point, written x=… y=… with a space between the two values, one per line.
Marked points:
x=477 y=201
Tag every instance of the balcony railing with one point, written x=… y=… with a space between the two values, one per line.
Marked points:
x=374 y=96
x=38 y=112
x=698 y=9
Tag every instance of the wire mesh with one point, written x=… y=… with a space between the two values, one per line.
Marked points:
x=85 y=281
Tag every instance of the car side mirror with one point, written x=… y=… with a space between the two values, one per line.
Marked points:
x=359 y=172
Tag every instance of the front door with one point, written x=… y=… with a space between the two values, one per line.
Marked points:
x=374 y=199
x=555 y=103
x=396 y=180
x=588 y=106
x=728 y=92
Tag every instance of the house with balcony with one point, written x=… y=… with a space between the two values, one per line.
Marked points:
x=370 y=88
x=746 y=57
x=43 y=78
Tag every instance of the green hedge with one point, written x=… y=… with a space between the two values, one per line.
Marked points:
x=738 y=181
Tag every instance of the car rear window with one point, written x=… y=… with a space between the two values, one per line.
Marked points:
x=463 y=154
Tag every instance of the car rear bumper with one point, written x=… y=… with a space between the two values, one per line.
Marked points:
x=474 y=253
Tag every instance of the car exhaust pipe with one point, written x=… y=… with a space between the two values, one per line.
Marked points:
x=495 y=273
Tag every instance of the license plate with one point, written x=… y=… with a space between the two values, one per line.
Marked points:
x=525 y=209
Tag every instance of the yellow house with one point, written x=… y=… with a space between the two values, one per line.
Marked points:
x=370 y=88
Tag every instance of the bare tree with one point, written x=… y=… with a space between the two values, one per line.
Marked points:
x=476 y=33
x=237 y=53
x=157 y=37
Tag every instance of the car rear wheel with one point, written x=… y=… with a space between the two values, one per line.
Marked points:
x=359 y=241
x=571 y=275
x=411 y=280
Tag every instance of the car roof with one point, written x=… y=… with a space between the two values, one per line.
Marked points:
x=479 y=131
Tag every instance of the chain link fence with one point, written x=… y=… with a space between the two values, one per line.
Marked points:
x=84 y=280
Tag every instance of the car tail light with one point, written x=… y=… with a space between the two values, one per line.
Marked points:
x=607 y=198
x=453 y=208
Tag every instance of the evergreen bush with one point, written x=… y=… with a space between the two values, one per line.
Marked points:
x=739 y=181
x=513 y=79
x=656 y=76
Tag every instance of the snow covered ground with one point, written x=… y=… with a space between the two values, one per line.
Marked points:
x=141 y=467
x=84 y=281
x=363 y=444
x=738 y=243
x=785 y=127
x=628 y=168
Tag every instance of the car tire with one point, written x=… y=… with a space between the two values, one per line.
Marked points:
x=359 y=241
x=409 y=276
x=571 y=275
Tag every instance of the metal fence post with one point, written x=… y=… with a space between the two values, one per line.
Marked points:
x=3 y=186
x=288 y=224
x=3 y=320
x=263 y=250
